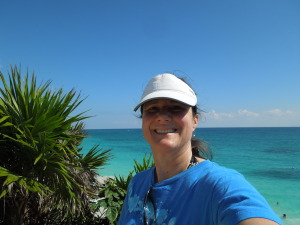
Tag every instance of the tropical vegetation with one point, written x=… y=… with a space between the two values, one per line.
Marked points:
x=44 y=178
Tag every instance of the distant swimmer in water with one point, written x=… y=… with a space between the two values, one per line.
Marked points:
x=284 y=215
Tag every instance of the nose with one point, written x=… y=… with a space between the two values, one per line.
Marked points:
x=163 y=115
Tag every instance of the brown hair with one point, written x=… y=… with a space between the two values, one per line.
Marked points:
x=199 y=146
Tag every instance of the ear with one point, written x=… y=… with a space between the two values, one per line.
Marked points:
x=195 y=121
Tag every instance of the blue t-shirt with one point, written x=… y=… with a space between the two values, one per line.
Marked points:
x=206 y=194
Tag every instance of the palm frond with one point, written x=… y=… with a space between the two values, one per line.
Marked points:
x=96 y=158
x=40 y=134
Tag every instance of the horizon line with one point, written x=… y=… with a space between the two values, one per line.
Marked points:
x=196 y=128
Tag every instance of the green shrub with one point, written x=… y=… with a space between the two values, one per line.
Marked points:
x=111 y=200
x=112 y=194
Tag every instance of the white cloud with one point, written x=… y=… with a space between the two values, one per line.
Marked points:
x=225 y=116
x=245 y=112
x=279 y=112
x=219 y=116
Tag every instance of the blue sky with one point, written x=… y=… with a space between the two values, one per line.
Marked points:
x=242 y=57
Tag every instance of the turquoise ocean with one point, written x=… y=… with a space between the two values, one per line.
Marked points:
x=269 y=158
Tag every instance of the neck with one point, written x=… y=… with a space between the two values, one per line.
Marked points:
x=171 y=163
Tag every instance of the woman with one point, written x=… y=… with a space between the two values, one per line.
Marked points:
x=185 y=188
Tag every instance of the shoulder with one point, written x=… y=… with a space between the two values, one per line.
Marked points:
x=218 y=170
x=225 y=181
x=215 y=174
x=234 y=197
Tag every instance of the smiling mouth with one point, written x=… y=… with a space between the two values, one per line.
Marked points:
x=165 y=131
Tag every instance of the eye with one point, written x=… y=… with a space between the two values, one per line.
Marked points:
x=177 y=108
x=151 y=109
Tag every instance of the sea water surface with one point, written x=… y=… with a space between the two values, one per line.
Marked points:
x=269 y=158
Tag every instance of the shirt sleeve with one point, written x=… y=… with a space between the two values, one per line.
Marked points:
x=237 y=200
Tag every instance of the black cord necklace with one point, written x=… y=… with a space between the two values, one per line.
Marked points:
x=193 y=162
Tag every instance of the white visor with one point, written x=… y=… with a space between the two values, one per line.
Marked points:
x=168 y=86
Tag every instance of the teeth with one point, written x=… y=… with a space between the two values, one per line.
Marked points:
x=165 y=131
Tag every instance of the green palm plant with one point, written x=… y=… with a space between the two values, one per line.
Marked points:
x=43 y=175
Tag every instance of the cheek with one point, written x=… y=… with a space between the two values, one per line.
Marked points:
x=186 y=124
x=144 y=130
x=189 y=124
x=189 y=119
x=145 y=125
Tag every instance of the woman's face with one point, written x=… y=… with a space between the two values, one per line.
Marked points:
x=168 y=124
